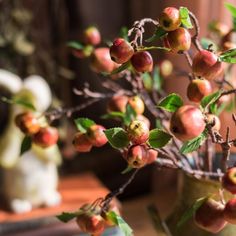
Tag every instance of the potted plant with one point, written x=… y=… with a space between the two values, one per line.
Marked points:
x=185 y=133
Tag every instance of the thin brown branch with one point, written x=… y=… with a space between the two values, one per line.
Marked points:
x=108 y=198
x=226 y=150
x=197 y=31
x=188 y=58
x=138 y=30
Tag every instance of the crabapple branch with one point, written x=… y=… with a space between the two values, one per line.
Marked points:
x=138 y=30
x=108 y=198
x=197 y=31
x=59 y=112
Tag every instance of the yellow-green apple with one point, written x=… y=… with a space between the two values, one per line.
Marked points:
x=170 y=19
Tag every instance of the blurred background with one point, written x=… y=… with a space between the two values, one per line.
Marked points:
x=33 y=37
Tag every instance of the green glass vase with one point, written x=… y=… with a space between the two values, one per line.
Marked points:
x=192 y=189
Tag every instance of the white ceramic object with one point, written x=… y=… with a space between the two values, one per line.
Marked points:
x=31 y=180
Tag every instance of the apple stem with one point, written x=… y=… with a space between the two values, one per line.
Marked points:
x=188 y=58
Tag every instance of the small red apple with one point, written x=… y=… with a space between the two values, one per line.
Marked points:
x=229 y=180
x=101 y=61
x=142 y=61
x=137 y=156
x=144 y=119
x=170 y=19
x=96 y=136
x=121 y=51
x=210 y=216
x=137 y=104
x=92 y=36
x=112 y=207
x=118 y=103
x=151 y=156
x=206 y=65
x=178 y=40
x=81 y=143
x=138 y=132
x=83 y=53
x=197 y=89
x=27 y=123
x=213 y=119
x=187 y=123
x=90 y=221
x=46 y=137
x=230 y=211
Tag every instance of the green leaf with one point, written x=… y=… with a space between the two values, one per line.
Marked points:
x=205 y=42
x=67 y=216
x=20 y=102
x=147 y=81
x=118 y=220
x=159 y=33
x=215 y=109
x=75 y=45
x=25 y=145
x=83 y=124
x=124 y=33
x=113 y=115
x=191 y=211
x=158 y=138
x=117 y=137
x=193 y=144
x=210 y=99
x=157 y=79
x=171 y=103
x=152 y=48
x=119 y=69
x=228 y=56
x=229 y=53
x=185 y=18
x=130 y=115
x=158 y=124
x=127 y=170
x=228 y=60
x=231 y=8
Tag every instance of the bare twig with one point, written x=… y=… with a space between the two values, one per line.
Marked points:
x=197 y=31
x=119 y=191
x=138 y=30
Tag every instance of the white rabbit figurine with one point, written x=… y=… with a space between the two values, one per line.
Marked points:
x=29 y=180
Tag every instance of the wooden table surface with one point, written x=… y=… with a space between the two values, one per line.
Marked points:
x=86 y=188
x=75 y=191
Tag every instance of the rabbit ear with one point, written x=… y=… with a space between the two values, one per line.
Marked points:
x=41 y=90
x=10 y=81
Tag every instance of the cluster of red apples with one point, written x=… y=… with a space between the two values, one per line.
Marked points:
x=186 y=123
x=214 y=215
x=93 y=220
x=43 y=136
x=138 y=153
